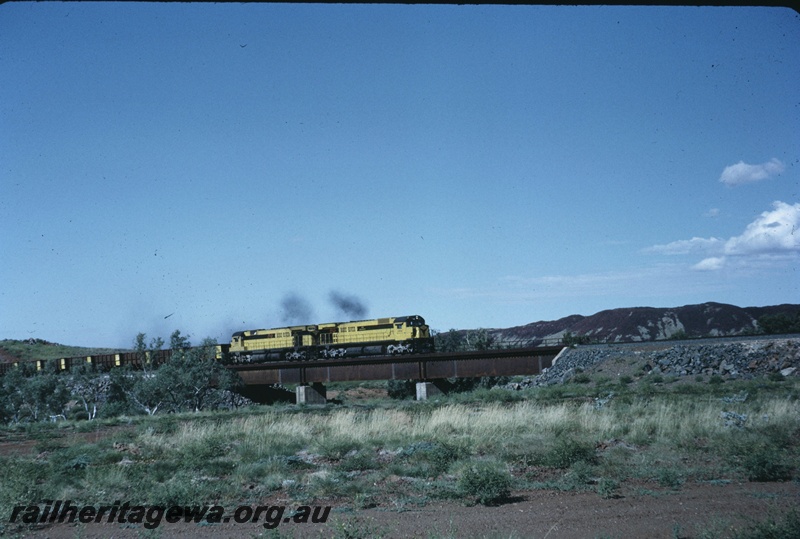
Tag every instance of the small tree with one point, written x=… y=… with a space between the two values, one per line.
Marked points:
x=192 y=379
x=571 y=339
x=147 y=393
x=121 y=382
x=90 y=388
x=27 y=395
x=452 y=341
x=45 y=396
x=178 y=342
x=12 y=395
x=143 y=391
x=780 y=323
x=145 y=353
x=479 y=339
x=460 y=341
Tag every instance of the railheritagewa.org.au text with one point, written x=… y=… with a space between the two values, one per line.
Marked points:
x=152 y=516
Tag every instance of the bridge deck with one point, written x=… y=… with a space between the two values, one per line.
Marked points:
x=412 y=367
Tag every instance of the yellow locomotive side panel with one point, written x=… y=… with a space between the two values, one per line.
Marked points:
x=261 y=339
x=272 y=339
x=333 y=339
x=382 y=329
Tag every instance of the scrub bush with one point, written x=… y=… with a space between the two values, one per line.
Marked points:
x=486 y=483
x=568 y=451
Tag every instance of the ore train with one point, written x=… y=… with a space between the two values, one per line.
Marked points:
x=102 y=362
x=381 y=336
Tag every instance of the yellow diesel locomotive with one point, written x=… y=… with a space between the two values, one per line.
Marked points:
x=381 y=336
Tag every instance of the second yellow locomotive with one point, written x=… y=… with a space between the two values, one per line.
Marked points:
x=381 y=336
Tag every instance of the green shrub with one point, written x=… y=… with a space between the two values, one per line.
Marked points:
x=360 y=461
x=324 y=484
x=356 y=528
x=776 y=377
x=607 y=487
x=785 y=527
x=23 y=480
x=765 y=453
x=335 y=448
x=602 y=380
x=187 y=488
x=668 y=477
x=577 y=478
x=680 y=335
x=401 y=389
x=429 y=459
x=442 y=456
x=486 y=483
x=767 y=464
x=568 y=451
x=485 y=396
x=581 y=378
x=781 y=436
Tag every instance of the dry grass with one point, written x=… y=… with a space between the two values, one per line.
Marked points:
x=642 y=422
x=319 y=453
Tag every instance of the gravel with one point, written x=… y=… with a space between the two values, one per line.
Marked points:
x=730 y=359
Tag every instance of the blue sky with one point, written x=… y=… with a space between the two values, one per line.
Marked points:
x=218 y=167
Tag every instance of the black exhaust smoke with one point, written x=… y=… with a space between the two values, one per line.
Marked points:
x=296 y=310
x=349 y=306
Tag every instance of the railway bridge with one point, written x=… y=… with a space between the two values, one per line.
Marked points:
x=428 y=369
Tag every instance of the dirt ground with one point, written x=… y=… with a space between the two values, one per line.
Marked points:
x=537 y=514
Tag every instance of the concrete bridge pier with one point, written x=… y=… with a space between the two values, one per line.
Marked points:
x=313 y=394
x=428 y=390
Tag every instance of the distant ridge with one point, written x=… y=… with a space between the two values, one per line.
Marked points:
x=614 y=325
x=29 y=349
x=647 y=324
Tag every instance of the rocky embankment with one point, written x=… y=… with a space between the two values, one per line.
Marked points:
x=729 y=359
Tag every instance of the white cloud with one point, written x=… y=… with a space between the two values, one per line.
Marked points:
x=774 y=232
x=710 y=264
x=741 y=172
x=774 y=235
x=683 y=247
x=713 y=212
